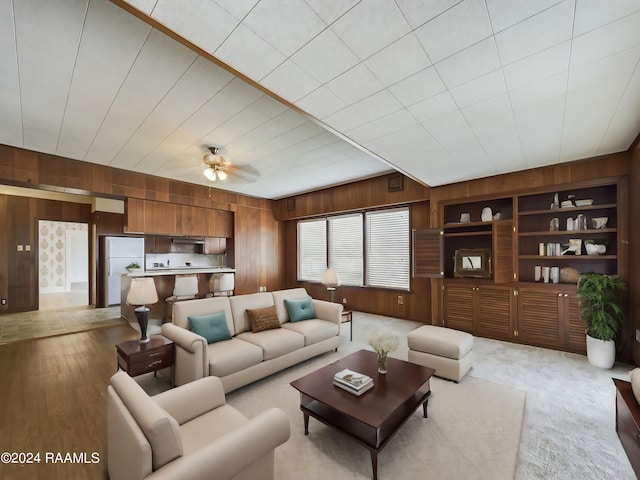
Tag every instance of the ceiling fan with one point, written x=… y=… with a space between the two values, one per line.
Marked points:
x=216 y=164
x=219 y=167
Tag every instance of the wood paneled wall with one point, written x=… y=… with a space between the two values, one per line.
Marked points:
x=258 y=254
x=370 y=193
x=634 y=247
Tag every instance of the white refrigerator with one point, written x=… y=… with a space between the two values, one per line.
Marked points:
x=119 y=253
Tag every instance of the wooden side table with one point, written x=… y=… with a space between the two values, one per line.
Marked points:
x=628 y=422
x=137 y=358
x=347 y=317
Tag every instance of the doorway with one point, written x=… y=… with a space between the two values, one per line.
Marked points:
x=63 y=264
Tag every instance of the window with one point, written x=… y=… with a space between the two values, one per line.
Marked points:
x=388 y=248
x=312 y=250
x=370 y=249
x=345 y=248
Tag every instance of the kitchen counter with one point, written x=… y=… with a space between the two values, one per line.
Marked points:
x=180 y=271
x=164 y=280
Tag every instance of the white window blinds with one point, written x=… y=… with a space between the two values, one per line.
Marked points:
x=346 y=248
x=388 y=253
x=312 y=250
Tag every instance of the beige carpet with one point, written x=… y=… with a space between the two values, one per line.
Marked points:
x=473 y=431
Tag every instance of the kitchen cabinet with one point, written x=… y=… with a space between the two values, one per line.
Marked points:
x=161 y=218
x=215 y=245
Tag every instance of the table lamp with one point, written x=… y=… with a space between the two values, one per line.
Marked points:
x=331 y=279
x=142 y=292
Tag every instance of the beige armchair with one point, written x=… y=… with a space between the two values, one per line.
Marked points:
x=187 y=432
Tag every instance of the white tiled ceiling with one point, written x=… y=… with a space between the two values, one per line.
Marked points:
x=442 y=90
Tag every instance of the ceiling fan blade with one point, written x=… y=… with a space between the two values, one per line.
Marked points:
x=244 y=172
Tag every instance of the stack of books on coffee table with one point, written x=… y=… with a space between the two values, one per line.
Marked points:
x=352 y=382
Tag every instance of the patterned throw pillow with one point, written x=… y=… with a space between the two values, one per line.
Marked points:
x=263 y=319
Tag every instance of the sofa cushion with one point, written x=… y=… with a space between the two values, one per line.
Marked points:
x=274 y=343
x=241 y=303
x=300 y=309
x=202 y=306
x=279 y=296
x=262 y=319
x=212 y=327
x=634 y=375
x=232 y=356
x=160 y=428
x=210 y=426
x=313 y=330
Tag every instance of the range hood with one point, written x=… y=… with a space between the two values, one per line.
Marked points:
x=188 y=240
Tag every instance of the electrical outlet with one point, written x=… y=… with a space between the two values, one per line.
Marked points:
x=637 y=334
x=344 y=300
x=400 y=300
x=263 y=289
x=3 y=301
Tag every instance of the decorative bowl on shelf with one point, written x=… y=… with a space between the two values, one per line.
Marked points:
x=595 y=249
x=599 y=222
x=584 y=203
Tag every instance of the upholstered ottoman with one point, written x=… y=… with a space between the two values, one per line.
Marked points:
x=449 y=352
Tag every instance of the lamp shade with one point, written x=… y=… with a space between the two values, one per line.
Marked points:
x=331 y=277
x=142 y=291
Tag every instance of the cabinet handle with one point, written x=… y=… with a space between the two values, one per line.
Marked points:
x=154 y=354
x=566 y=295
x=153 y=364
x=559 y=294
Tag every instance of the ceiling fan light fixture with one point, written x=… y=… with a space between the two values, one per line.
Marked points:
x=221 y=174
x=210 y=174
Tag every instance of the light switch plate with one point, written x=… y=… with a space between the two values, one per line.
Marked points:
x=20 y=248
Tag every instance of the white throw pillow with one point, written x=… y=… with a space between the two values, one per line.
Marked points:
x=635 y=382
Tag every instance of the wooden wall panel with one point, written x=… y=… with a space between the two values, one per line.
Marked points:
x=634 y=247
x=4 y=252
x=370 y=193
x=259 y=251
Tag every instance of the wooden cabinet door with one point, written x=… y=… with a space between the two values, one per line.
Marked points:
x=495 y=312
x=428 y=252
x=576 y=340
x=459 y=307
x=539 y=317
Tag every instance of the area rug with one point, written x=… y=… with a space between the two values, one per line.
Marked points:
x=473 y=432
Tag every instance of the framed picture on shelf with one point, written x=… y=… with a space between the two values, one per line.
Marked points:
x=472 y=263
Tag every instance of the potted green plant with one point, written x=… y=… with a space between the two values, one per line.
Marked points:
x=133 y=267
x=602 y=311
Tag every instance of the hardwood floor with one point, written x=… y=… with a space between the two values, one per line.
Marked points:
x=53 y=401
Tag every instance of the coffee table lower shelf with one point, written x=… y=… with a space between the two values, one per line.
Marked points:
x=374 y=439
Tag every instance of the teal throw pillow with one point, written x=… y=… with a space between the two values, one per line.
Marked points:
x=213 y=327
x=300 y=309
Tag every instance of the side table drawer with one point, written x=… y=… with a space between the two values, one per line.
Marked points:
x=151 y=364
x=136 y=359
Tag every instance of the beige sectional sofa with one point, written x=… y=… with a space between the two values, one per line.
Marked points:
x=248 y=355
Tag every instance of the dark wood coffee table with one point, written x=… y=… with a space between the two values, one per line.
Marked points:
x=373 y=418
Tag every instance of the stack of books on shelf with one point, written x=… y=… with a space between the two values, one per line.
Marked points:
x=352 y=382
